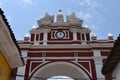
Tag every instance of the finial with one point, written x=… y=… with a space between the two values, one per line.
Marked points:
x=60 y=11
x=86 y=26
x=46 y=14
x=94 y=34
x=73 y=13
x=94 y=37
x=109 y=34
x=26 y=35
x=60 y=17
x=33 y=27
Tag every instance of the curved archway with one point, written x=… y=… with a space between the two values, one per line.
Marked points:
x=60 y=78
x=60 y=68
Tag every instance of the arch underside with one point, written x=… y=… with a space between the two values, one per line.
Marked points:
x=60 y=69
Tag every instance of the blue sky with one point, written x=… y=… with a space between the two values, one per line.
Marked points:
x=102 y=16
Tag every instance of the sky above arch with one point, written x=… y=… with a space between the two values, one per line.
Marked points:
x=101 y=16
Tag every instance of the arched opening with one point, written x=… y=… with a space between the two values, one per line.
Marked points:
x=60 y=68
x=60 y=78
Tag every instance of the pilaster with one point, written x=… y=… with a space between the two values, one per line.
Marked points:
x=21 y=70
x=83 y=39
x=98 y=64
x=36 y=42
x=45 y=37
x=74 y=36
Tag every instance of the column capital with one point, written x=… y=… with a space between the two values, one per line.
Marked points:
x=46 y=30
x=74 y=30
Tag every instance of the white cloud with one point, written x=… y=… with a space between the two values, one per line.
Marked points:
x=84 y=15
x=94 y=27
x=89 y=4
x=26 y=2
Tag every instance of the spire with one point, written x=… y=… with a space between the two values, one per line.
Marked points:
x=60 y=12
x=33 y=27
x=86 y=26
x=109 y=34
x=94 y=35
x=60 y=16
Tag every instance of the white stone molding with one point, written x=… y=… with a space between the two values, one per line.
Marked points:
x=45 y=37
x=43 y=62
x=74 y=36
x=83 y=42
x=98 y=64
x=35 y=37
x=85 y=37
x=89 y=72
x=21 y=70
x=77 y=70
x=35 y=42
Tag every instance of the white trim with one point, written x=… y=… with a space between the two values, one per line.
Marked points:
x=30 y=73
x=85 y=36
x=98 y=63
x=55 y=58
x=74 y=36
x=81 y=36
x=21 y=70
x=55 y=31
x=89 y=45
x=45 y=37
x=63 y=51
x=63 y=63
x=34 y=37
x=35 y=41
x=89 y=72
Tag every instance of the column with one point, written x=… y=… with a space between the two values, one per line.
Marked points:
x=35 y=37
x=21 y=70
x=83 y=42
x=74 y=31
x=85 y=37
x=98 y=64
x=36 y=42
x=74 y=36
x=45 y=37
